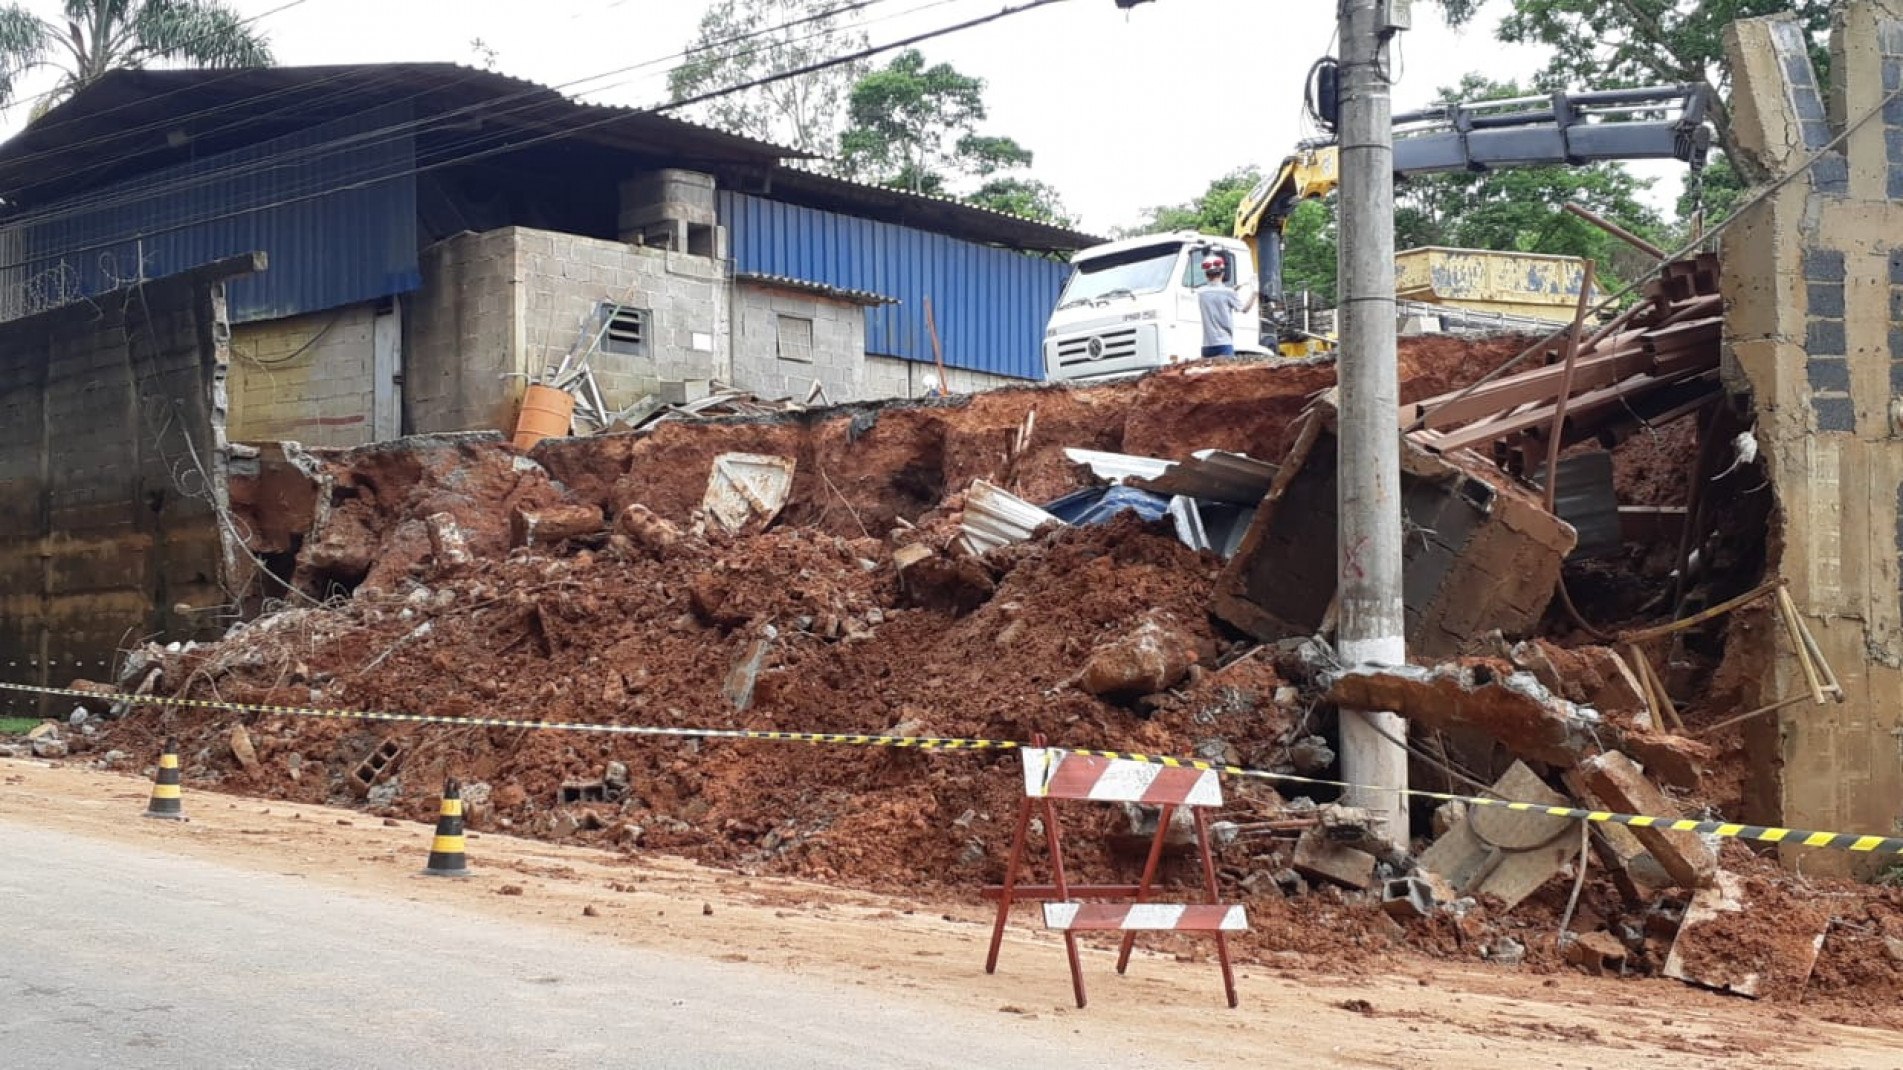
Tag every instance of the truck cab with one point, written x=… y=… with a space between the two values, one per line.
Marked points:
x=1130 y=306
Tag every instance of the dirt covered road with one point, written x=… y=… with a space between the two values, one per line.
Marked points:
x=1298 y=1010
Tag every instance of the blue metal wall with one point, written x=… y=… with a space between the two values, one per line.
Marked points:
x=991 y=305
x=327 y=246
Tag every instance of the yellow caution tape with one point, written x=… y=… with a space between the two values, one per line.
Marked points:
x=1839 y=841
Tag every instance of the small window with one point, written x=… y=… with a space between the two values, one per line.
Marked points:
x=627 y=332
x=1193 y=274
x=795 y=339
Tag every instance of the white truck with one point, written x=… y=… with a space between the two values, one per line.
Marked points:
x=1130 y=306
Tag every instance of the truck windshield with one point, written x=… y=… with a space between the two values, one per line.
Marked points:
x=1133 y=271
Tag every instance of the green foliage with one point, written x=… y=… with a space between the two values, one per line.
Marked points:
x=1720 y=192
x=96 y=36
x=803 y=112
x=1023 y=196
x=1308 y=250
x=915 y=127
x=17 y=726
x=1213 y=212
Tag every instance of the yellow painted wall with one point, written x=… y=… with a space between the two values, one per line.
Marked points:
x=306 y=379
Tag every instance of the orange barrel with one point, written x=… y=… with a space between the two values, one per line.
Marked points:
x=545 y=414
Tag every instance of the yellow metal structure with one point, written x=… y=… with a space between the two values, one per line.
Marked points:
x=1514 y=284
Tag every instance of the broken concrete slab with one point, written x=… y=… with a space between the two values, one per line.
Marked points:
x=1481 y=553
x=1513 y=708
x=1733 y=942
x=1599 y=952
x=1507 y=854
x=1319 y=857
x=552 y=524
x=748 y=487
x=1611 y=781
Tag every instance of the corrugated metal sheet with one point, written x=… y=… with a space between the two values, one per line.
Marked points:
x=338 y=248
x=990 y=304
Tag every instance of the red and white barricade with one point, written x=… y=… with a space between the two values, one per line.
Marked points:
x=1051 y=774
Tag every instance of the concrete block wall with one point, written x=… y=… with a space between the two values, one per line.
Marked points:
x=307 y=379
x=500 y=306
x=891 y=377
x=1813 y=281
x=837 y=356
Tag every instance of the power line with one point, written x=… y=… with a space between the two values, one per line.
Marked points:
x=796 y=72
x=175 y=48
x=495 y=108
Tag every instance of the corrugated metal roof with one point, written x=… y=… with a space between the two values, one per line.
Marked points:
x=133 y=122
x=990 y=305
x=857 y=297
x=1216 y=476
x=352 y=245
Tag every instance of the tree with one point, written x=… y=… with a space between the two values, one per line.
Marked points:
x=1213 y=212
x=1607 y=43
x=915 y=127
x=1309 y=251
x=742 y=41
x=1023 y=196
x=97 y=36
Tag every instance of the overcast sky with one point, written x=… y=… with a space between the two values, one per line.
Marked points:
x=1124 y=110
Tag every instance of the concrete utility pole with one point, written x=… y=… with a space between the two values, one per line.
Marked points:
x=1368 y=496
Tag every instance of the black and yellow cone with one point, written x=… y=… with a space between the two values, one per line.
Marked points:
x=446 y=858
x=166 y=801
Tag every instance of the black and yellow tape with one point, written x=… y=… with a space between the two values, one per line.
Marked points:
x=1839 y=841
x=900 y=742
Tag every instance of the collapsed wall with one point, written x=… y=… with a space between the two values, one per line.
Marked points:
x=1814 y=284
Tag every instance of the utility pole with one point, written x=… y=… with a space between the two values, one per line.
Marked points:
x=1372 y=627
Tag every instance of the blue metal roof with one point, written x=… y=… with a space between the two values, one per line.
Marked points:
x=326 y=249
x=991 y=305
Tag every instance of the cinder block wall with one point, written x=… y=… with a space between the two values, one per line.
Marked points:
x=891 y=377
x=500 y=306
x=1814 y=314
x=306 y=379
x=770 y=322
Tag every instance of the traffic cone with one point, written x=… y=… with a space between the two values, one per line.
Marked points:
x=446 y=857
x=165 y=801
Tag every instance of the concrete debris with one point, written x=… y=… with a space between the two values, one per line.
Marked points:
x=1611 y=781
x=448 y=544
x=1310 y=755
x=1513 y=708
x=747 y=488
x=1484 y=554
x=242 y=750
x=1407 y=897
x=1505 y=951
x=1152 y=658
x=553 y=524
x=639 y=530
x=1506 y=854
x=50 y=747
x=1726 y=943
x=1599 y=952
x=1319 y=856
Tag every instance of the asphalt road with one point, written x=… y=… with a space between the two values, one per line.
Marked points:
x=113 y=956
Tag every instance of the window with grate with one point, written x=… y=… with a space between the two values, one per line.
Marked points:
x=627 y=332
x=795 y=339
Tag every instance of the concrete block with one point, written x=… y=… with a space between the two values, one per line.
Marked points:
x=1320 y=858
x=1611 y=781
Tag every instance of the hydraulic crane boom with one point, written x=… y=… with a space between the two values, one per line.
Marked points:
x=1658 y=123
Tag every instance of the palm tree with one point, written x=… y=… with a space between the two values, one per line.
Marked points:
x=97 y=36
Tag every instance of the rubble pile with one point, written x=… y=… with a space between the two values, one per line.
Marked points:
x=905 y=570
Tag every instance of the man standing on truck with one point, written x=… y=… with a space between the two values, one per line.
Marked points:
x=1219 y=304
